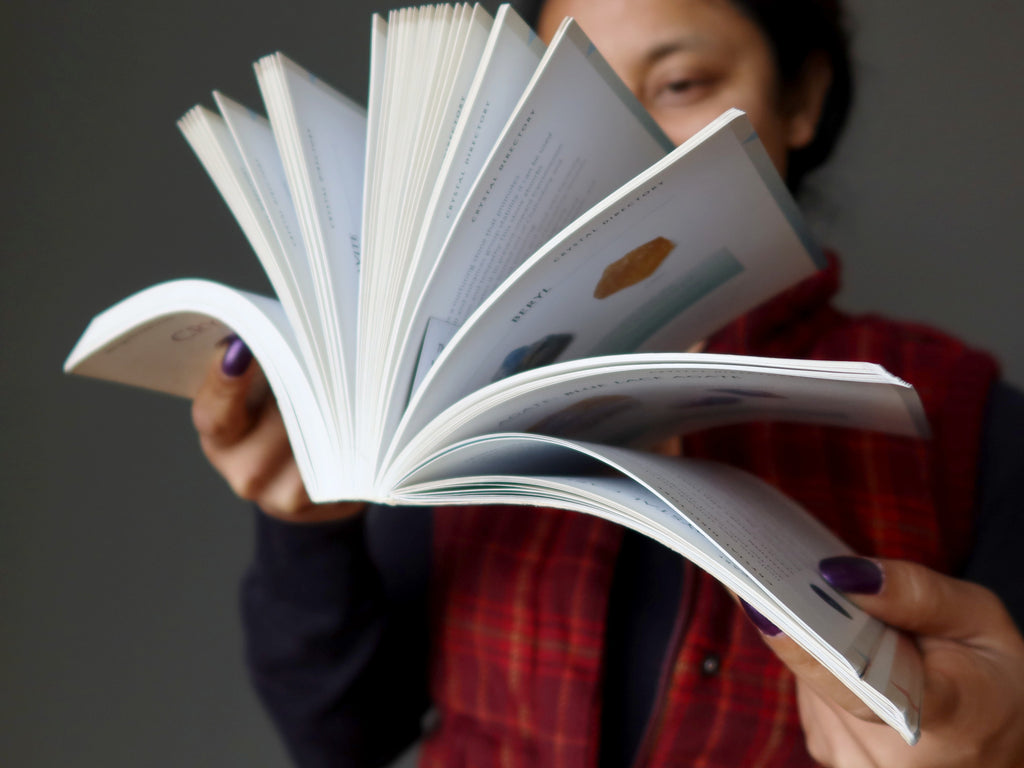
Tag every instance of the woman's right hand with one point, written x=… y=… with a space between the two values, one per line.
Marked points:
x=243 y=436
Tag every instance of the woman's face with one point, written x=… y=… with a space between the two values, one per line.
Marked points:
x=690 y=60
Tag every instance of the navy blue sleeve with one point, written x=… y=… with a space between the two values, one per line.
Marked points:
x=337 y=641
x=999 y=539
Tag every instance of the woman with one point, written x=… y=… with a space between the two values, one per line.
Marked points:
x=556 y=639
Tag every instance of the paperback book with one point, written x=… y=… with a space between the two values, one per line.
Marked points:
x=483 y=281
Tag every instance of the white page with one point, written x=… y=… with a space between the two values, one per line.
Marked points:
x=892 y=684
x=461 y=51
x=551 y=163
x=771 y=539
x=753 y=536
x=557 y=306
x=164 y=338
x=509 y=59
x=374 y=107
x=292 y=281
x=410 y=64
x=414 y=64
x=388 y=268
x=321 y=137
x=378 y=53
x=210 y=139
x=255 y=144
x=209 y=136
x=446 y=60
x=618 y=499
x=773 y=542
x=390 y=94
x=897 y=675
x=643 y=398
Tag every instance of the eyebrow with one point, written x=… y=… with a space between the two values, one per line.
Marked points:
x=683 y=43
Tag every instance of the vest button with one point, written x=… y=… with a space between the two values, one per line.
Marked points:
x=430 y=721
x=711 y=664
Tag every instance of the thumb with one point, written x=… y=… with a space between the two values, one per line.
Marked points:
x=917 y=599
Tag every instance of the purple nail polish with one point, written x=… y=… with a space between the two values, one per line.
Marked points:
x=236 y=357
x=857 y=575
x=764 y=626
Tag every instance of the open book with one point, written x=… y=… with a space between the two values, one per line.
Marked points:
x=482 y=283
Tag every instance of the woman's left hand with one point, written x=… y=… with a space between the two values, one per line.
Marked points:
x=973 y=660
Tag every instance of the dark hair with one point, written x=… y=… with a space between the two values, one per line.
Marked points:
x=796 y=30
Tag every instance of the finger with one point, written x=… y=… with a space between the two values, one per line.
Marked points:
x=261 y=468
x=917 y=599
x=286 y=499
x=807 y=669
x=832 y=738
x=222 y=412
x=251 y=465
x=284 y=496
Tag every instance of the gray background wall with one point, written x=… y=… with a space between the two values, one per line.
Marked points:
x=119 y=549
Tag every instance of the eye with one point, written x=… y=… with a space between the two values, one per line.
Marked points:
x=680 y=91
x=679 y=79
x=680 y=86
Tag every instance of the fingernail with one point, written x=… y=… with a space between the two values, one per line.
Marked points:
x=764 y=626
x=236 y=357
x=857 y=575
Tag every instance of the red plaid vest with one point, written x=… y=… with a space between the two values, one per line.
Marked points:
x=520 y=593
